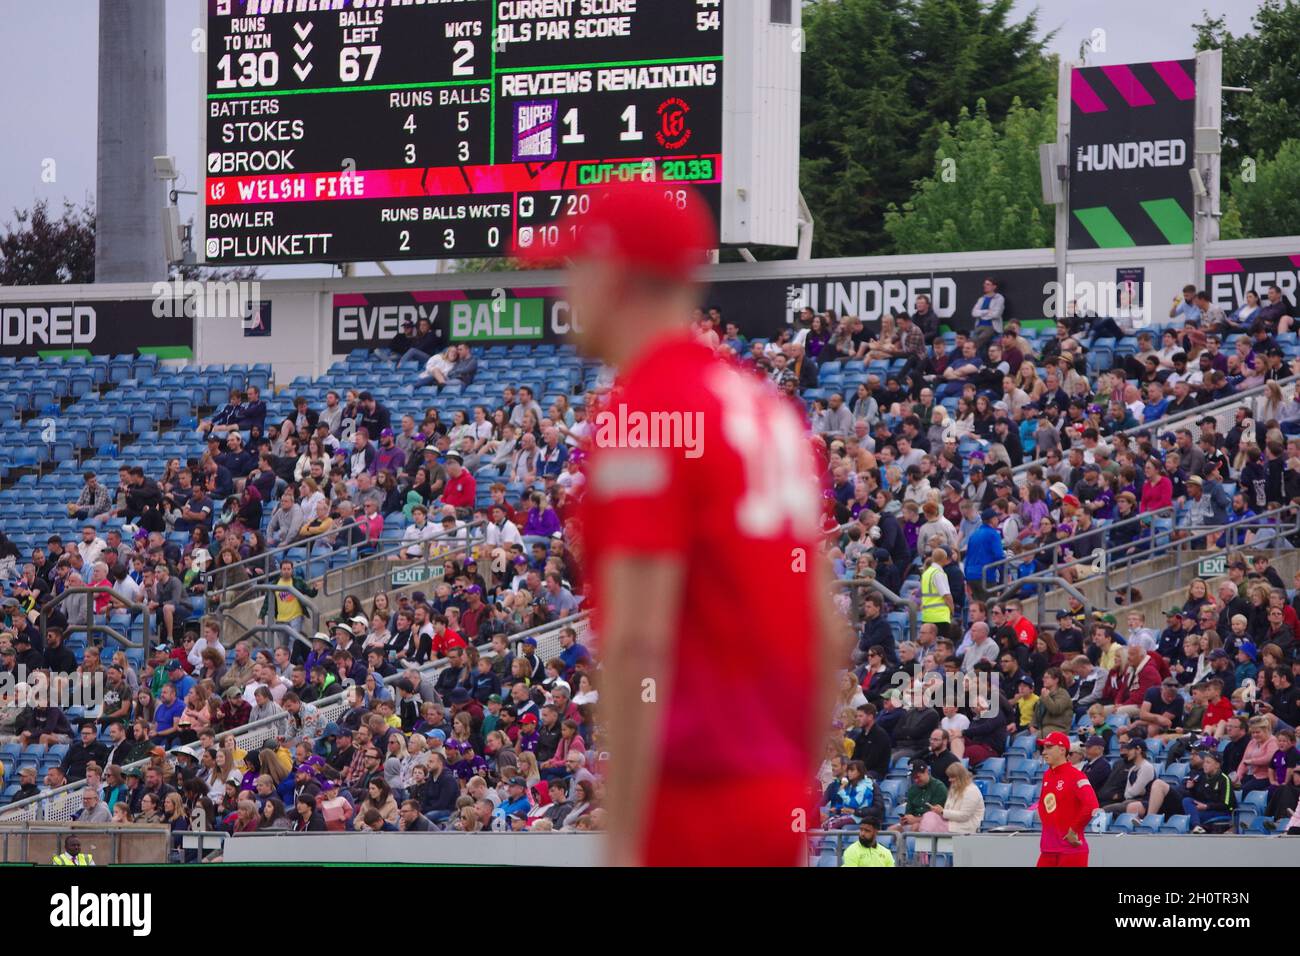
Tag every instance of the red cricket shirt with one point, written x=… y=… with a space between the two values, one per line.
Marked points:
x=1065 y=803
x=739 y=505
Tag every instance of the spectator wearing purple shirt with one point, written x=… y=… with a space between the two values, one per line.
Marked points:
x=466 y=763
x=528 y=736
x=542 y=520
x=389 y=457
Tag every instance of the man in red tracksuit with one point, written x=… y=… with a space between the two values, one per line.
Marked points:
x=1065 y=806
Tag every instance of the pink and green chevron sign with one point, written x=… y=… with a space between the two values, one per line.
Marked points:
x=1131 y=133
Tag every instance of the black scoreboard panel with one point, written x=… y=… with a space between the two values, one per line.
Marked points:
x=392 y=130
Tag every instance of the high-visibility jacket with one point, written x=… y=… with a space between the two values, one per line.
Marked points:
x=859 y=855
x=933 y=606
x=67 y=859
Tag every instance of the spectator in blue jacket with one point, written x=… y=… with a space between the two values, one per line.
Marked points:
x=983 y=549
x=252 y=413
x=850 y=800
x=169 y=709
x=516 y=802
x=226 y=417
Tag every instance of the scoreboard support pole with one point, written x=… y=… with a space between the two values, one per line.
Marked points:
x=129 y=200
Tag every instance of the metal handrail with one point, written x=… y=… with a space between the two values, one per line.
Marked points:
x=841 y=839
x=266 y=557
x=430 y=668
x=397 y=553
x=556 y=625
x=1054 y=580
x=90 y=627
x=855 y=596
x=1268 y=519
x=1154 y=549
x=270 y=589
x=262 y=583
x=1144 y=518
x=1174 y=421
x=580 y=622
x=22 y=832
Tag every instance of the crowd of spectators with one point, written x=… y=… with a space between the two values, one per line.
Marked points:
x=961 y=463
x=921 y=494
x=328 y=478
x=500 y=733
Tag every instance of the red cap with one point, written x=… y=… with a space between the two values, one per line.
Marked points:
x=1055 y=739
x=642 y=226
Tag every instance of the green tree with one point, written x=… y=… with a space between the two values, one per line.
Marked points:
x=484 y=265
x=880 y=78
x=40 y=249
x=1267 y=60
x=984 y=192
x=1270 y=204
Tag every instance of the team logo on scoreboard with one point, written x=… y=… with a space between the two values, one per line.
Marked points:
x=535 y=131
x=674 y=129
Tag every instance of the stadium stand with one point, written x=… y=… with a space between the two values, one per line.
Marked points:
x=381 y=563
x=223 y=554
x=1037 y=473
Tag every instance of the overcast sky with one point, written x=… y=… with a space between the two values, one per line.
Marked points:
x=49 y=53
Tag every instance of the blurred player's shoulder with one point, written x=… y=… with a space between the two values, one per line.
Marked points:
x=669 y=370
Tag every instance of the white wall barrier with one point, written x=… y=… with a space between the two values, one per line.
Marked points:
x=456 y=849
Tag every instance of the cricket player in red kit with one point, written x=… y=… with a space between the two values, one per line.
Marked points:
x=1065 y=806
x=700 y=535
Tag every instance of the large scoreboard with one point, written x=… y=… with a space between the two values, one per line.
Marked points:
x=347 y=130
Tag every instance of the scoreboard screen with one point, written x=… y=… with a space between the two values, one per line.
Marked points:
x=347 y=130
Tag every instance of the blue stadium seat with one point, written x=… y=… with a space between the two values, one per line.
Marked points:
x=994 y=817
x=998 y=795
x=121 y=369
x=895 y=788
x=1151 y=823
x=1255 y=802
x=1021 y=818
x=1022 y=795
x=1254 y=827
x=1019 y=769
x=1178 y=823
x=1175 y=774
x=992 y=769
x=1022 y=745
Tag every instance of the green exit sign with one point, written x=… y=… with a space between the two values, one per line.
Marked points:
x=415 y=574
x=1212 y=566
